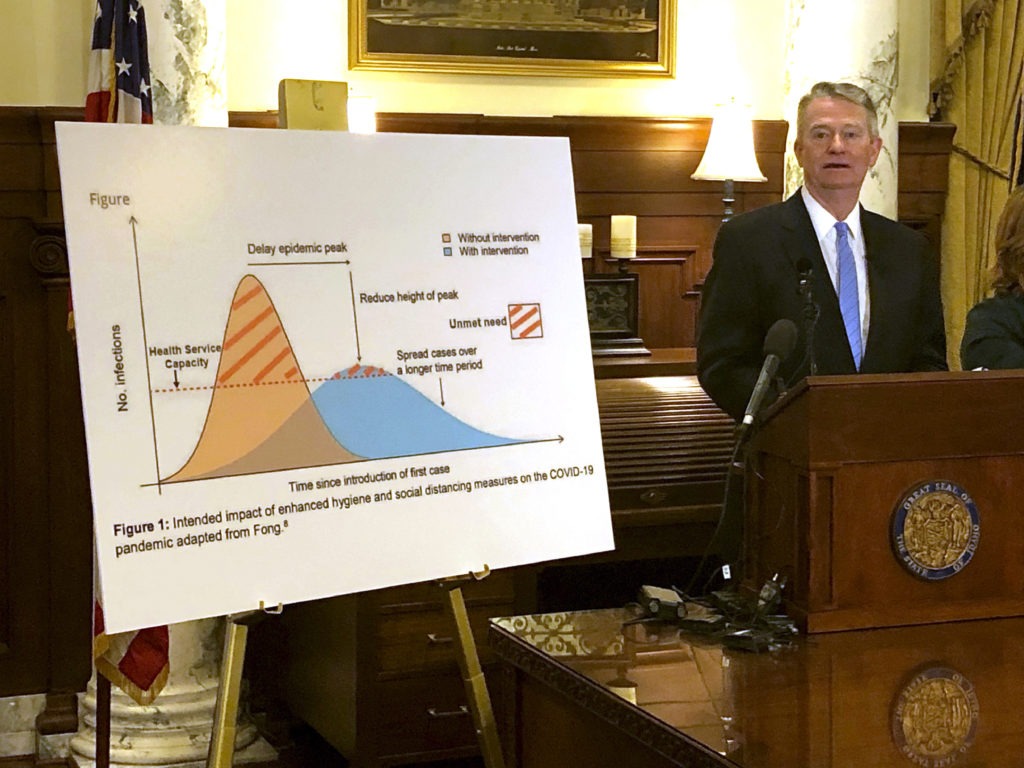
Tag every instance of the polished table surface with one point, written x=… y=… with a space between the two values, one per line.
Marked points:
x=936 y=695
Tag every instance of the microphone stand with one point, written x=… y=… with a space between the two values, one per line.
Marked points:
x=778 y=345
x=811 y=313
x=730 y=521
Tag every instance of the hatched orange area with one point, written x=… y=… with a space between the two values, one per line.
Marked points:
x=260 y=388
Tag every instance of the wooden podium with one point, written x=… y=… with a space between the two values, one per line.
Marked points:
x=842 y=464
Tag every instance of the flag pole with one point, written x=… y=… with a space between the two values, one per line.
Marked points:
x=102 y=721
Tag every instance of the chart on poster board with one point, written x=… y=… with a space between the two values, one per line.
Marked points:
x=316 y=363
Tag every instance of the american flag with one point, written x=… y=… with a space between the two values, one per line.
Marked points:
x=136 y=662
x=119 y=82
x=120 y=92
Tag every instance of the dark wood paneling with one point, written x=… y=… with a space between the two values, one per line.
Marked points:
x=45 y=521
x=24 y=514
x=924 y=176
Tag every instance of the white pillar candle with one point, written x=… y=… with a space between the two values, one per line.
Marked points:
x=623 y=237
x=362 y=114
x=586 y=241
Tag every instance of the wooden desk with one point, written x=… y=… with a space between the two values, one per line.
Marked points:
x=938 y=695
x=677 y=361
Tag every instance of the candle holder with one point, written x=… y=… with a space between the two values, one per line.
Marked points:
x=613 y=299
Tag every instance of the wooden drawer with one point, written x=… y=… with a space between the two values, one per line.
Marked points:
x=426 y=640
x=423 y=714
x=499 y=586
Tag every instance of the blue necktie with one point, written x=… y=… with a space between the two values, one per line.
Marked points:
x=849 y=303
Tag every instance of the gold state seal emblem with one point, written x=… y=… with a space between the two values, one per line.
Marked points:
x=935 y=530
x=934 y=717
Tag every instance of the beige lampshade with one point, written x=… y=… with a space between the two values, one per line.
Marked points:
x=730 y=150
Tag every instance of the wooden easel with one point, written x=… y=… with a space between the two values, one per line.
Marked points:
x=222 y=741
x=225 y=713
x=472 y=672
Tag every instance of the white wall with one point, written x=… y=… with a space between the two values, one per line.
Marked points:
x=44 y=51
x=725 y=48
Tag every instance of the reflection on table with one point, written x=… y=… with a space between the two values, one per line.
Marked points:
x=936 y=695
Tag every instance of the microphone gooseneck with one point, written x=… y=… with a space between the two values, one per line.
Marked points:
x=811 y=311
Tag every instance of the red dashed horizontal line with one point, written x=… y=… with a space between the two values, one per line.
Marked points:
x=271 y=383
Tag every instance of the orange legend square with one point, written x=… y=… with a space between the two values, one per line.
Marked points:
x=524 y=321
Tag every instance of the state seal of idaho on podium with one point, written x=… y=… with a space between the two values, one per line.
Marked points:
x=935 y=530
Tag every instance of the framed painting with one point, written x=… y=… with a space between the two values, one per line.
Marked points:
x=592 y=38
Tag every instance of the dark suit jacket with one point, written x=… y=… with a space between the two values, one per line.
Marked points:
x=994 y=334
x=754 y=282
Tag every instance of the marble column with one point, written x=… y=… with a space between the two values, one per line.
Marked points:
x=175 y=729
x=188 y=61
x=187 y=53
x=853 y=42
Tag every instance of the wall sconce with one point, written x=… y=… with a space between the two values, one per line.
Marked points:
x=729 y=155
x=362 y=114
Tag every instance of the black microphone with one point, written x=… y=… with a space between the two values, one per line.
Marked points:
x=811 y=311
x=778 y=344
x=728 y=536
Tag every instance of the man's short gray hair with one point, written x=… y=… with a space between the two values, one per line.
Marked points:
x=845 y=91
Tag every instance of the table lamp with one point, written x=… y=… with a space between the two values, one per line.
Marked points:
x=729 y=155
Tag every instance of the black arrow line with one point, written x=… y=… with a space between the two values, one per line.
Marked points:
x=145 y=346
x=558 y=439
x=296 y=263
x=355 y=316
x=175 y=378
x=440 y=382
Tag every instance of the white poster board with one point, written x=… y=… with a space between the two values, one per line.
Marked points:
x=316 y=363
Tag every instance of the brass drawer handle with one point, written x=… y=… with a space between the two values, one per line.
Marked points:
x=653 y=497
x=462 y=711
x=439 y=639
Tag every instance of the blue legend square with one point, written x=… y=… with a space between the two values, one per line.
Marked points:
x=447 y=251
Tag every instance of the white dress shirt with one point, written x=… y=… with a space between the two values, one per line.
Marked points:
x=824 y=224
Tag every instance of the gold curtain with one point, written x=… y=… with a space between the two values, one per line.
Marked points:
x=979 y=90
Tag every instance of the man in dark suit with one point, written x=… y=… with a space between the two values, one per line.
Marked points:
x=893 y=320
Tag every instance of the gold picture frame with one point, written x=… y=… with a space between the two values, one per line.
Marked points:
x=588 y=38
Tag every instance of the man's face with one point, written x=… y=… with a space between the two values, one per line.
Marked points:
x=834 y=146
